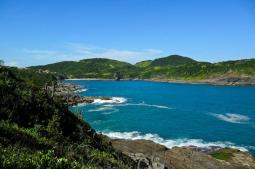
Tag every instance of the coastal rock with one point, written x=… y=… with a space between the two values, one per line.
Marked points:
x=232 y=80
x=154 y=156
x=222 y=81
x=67 y=92
x=62 y=88
x=72 y=99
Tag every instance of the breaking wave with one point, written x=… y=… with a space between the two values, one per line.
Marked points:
x=80 y=105
x=141 y=104
x=80 y=90
x=113 y=100
x=170 y=143
x=232 y=118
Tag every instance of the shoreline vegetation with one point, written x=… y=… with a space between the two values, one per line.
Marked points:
x=38 y=131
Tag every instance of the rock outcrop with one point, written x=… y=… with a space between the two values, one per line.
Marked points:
x=222 y=81
x=154 y=156
x=232 y=80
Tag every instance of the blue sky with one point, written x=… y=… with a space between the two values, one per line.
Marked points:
x=46 y=31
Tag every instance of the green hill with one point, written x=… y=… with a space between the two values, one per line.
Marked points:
x=172 y=60
x=143 y=63
x=173 y=67
x=91 y=68
x=200 y=70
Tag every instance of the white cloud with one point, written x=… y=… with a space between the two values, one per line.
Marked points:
x=155 y=51
x=132 y=56
x=42 y=54
x=46 y=52
x=78 y=51
x=11 y=63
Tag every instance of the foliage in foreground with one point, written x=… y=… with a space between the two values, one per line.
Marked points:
x=38 y=131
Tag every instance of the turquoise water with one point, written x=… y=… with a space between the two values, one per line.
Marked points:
x=173 y=114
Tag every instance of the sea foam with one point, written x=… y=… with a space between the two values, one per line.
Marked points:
x=80 y=90
x=80 y=105
x=141 y=104
x=170 y=143
x=113 y=100
x=105 y=110
x=111 y=112
x=100 y=109
x=232 y=118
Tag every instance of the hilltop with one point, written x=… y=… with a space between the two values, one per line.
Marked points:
x=172 y=60
x=173 y=68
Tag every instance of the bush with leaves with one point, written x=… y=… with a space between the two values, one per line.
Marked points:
x=38 y=131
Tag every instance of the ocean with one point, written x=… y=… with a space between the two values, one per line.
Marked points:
x=172 y=114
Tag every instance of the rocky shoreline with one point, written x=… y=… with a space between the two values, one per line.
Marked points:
x=69 y=94
x=150 y=155
x=65 y=88
x=221 y=81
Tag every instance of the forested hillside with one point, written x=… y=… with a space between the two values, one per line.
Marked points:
x=38 y=131
x=186 y=69
x=91 y=68
x=173 y=67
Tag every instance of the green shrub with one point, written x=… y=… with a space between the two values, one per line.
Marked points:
x=38 y=131
x=23 y=159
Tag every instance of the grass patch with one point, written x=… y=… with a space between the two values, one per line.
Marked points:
x=225 y=154
x=24 y=136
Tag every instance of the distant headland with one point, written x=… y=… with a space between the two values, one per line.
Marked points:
x=173 y=68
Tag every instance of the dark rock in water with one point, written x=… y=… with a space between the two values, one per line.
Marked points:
x=72 y=99
x=118 y=76
x=105 y=98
